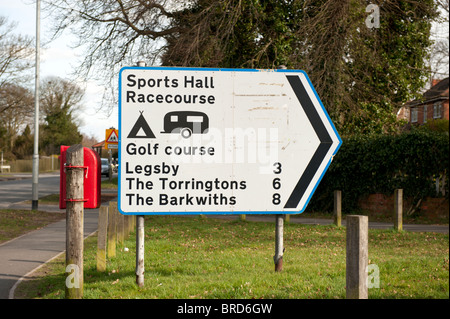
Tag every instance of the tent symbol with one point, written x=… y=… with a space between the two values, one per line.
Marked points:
x=141 y=129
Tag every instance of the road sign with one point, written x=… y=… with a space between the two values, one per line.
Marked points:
x=220 y=141
x=111 y=139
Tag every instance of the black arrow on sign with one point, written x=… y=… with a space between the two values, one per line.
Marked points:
x=322 y=133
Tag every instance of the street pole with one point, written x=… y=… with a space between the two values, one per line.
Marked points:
x=279 y=229
x=35 y=190
x=279 y=248
x=140 y=249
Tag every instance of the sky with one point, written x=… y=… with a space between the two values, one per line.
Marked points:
x=59 y=59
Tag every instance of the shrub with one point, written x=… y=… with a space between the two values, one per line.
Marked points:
x=381 y=163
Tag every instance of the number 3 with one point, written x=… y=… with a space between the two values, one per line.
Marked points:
x=277 y=169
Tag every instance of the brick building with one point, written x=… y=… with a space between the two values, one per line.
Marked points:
x=433 y=105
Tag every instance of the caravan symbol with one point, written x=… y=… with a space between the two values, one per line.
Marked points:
x=186 y=123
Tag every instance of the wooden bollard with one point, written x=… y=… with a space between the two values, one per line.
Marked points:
x=357 y=256
x=337 y=209
x=112 y=229
x=120 y=228
x=125 y=226
x=398 y=209
x=102 y=238
x=74 y=221
x=130 y=224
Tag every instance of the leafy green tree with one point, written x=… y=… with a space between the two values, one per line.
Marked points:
x=247 y=33
x=363 y=73
x=60 y=100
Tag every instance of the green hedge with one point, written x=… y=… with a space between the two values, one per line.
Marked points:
x=382 y=163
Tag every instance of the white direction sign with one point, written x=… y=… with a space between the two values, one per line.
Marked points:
x=220 y=141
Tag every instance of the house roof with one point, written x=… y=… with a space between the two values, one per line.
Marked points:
x=437 y=92
x=101 y=144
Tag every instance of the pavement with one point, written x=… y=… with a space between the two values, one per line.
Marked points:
x=21 y=256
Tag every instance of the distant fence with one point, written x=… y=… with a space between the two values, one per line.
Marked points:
x=46 y=164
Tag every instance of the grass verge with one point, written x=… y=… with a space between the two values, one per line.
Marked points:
x=192 y=257
x=110 y=184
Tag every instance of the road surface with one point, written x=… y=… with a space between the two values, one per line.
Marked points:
x=16 y=188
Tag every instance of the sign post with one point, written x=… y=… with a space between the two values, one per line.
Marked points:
x=111 y=142
x=279 y=245
x=140 y=238
x=220 y=141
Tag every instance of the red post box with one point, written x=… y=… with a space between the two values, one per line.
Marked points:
x=92 y=178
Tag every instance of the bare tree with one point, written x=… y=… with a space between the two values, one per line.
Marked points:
x=59 y=95
x=117 y=33
x=114 y=33
x=16 y=109
x=439 y=56
x=15 y=100
x=15 y=54
x=89 y=140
